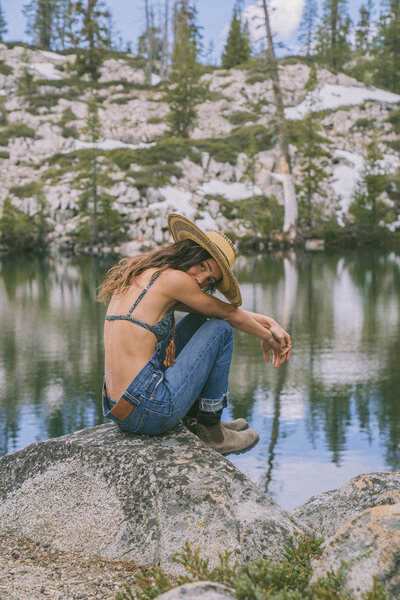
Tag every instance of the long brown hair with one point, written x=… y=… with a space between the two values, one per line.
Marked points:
x=180 y=255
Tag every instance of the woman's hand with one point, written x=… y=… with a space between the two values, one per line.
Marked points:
x=280 y=344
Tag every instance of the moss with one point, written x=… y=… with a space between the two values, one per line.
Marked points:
x=167 y=151
x=15 y=130
x=25 y=191
x=241 y=117
x=227 y=149
x=5 y=69
x=155 y=175
x=394 y=119
x=122 y=99
x=362 y=124
x=156 y=120
x=256 y=78
x=42 y=100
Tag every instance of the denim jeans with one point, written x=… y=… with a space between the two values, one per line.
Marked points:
x=161 y=396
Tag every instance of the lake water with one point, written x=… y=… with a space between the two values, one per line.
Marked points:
x=331 y=412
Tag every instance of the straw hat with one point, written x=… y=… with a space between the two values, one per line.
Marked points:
x=219 y=247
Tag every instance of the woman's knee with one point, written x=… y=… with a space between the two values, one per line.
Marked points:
x=224 y=327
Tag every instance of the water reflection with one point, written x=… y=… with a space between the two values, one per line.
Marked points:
x=330 y=413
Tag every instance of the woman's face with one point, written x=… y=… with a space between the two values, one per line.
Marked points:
x=206 y=273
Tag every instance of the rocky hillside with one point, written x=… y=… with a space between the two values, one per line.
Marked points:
x=44 y=144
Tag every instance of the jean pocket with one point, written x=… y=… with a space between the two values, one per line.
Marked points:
x=149 y=390
x=135 y=421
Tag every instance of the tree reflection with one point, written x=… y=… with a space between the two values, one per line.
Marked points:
x=343 y=312
x=51 y=351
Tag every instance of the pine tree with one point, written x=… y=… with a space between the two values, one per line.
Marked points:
x=364 y=27
x=185 y=90
x=237 y=48
x=89 y=199
x=333 y=45
x=386 y=47
x=100 y=223
x=25 y=82
x=368 y=209
x=307 y=27
x=16 y=231
x=41 y=223
x=312 y=147
x=40 y=15
x=91 y=35
x=62 y=24
x=3 y=24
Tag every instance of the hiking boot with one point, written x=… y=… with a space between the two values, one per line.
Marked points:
x=236 y=425
x=226 y=441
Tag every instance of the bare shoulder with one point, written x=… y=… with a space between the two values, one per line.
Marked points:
x=174 y=279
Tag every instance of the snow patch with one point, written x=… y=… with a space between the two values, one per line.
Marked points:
x=230 y=191
x=52 y=55
x=330 y=97
x=47 y=70
x=155 y=79
x=108 y=145
x=345 y=178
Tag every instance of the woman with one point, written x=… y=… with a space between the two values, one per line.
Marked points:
x=155 y=374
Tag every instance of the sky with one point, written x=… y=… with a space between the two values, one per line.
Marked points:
x=213 y=16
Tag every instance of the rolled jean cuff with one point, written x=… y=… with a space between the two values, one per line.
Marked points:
x=213 y=406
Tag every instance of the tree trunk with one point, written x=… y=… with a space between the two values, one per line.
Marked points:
x=165 y=44
x=289 y=192
x=149 y=44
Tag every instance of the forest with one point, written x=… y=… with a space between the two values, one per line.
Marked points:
x=176 y=66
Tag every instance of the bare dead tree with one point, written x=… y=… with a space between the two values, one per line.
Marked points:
x=289 y=192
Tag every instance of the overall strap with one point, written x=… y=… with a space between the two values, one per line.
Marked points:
x=142 y=293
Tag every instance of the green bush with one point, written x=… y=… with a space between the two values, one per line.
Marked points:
x=257 y=78
x=156 y=120
x=5 y=69
x=15 y=130
x=155 y=175
x=257 y=580
x=42 y=101
x=20 y=231
x=241 y=117
x=227 y=149
x=27 y=190
x=362 y=124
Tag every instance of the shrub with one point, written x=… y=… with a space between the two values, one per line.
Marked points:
x=15 y=130
x=5 y=69
x=242 y=117
x=257 y=580
x=28 y=190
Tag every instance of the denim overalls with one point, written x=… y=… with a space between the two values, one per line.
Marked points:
x=159 y=397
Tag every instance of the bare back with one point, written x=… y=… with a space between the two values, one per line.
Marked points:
x=128 y=347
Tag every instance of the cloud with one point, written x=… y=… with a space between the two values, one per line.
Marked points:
x=284 y=16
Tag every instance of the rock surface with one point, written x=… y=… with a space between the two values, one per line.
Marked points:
x=137 y=498
x=368 y=546
x=198 y=591
x=33 y=571
x=328 y=511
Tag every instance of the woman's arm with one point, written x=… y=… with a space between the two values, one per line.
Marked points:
x=186 y=291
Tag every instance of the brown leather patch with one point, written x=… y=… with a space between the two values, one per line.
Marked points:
x=122 y=409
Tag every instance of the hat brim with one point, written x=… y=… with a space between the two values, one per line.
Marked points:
x=182 y=228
